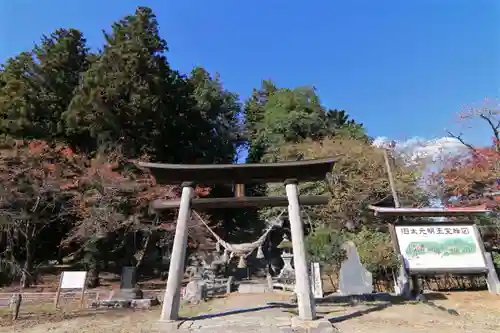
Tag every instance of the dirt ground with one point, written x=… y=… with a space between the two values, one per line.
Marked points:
x=476 y=312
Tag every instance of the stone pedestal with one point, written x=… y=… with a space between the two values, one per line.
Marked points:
x=126 y=294
x=249 y=287
x=313 y=326
x=124 y=298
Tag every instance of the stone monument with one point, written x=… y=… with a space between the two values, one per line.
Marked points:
x=128 y=292
x=128 y=278
x=316 y=282
x=354 y=278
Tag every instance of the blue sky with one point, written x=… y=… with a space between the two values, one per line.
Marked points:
x=403 y=68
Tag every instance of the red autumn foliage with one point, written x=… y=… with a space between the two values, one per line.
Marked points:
x=472 y=177
x=103 y=194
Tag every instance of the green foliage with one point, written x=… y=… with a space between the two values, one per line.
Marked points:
x=496 y=260
x=127 y=92
x=219 y=126
x=375 y=249
x=325 y=247
x=38 y=85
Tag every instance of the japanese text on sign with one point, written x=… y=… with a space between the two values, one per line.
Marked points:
x=434 y=231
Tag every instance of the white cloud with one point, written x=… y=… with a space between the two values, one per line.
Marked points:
x=433 y=150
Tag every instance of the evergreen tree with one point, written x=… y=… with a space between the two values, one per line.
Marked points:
x=219 y=108
x=130 y=95
x=38 y=85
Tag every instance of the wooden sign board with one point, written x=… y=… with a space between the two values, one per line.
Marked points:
x=72 y=280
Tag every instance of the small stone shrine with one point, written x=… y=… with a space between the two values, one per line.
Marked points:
x=354 y=278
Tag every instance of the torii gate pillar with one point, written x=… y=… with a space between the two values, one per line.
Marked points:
x=305 y=299
x=172 y=297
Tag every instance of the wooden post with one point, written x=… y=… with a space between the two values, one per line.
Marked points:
x=82 y=296
x=15 y=305
x=391 y=179
x=229 y=284
x=58 y=292
x=239 y=190
x=403 y=273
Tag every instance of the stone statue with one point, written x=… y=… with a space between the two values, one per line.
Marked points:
x=205 y=265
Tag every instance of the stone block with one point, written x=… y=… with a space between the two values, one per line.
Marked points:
x=253 y=288
x=313 y=326
x=129 y=294
x=115 y=303
x=144 y=304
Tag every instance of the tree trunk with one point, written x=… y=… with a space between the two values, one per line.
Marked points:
x=60 y=257
x=93 y=274
x=92 y=259
x=28 y=265
x=147 y=243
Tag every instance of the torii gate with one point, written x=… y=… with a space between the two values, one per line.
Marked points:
x=288 y=172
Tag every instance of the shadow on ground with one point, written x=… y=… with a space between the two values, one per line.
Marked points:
x=233 y=312
x=388 y=301
x=359 y=313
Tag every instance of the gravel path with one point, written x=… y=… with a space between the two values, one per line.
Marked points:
x=478 y=312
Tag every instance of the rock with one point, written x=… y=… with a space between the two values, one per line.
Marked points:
x=129 y=294
x=144 y=304
x=313 y=326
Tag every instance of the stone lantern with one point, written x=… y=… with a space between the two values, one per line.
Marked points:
x=287 y=273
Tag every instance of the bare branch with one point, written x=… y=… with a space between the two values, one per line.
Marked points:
x=462 y=141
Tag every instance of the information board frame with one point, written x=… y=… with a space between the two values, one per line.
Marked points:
x=71 y=280
x=447 y=229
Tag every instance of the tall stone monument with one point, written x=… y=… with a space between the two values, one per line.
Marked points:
x=355 y=279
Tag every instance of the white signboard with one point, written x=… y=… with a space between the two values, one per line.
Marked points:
x=316 y=282
x=440 y=247
x=73 y=280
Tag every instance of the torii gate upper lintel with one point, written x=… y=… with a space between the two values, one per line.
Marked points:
x=290 y=173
